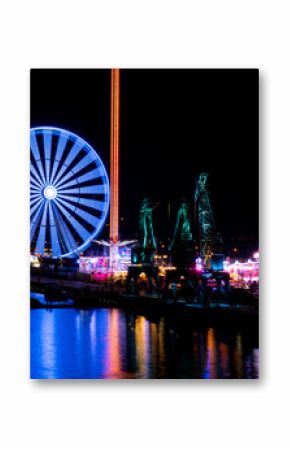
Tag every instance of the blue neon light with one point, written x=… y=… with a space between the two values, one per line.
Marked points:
x=69 y=192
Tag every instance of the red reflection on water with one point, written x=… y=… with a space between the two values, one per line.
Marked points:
x=153 y=345
x=238 y=357
x=142 y=346
x=113 y=353
x=224 y=359
x=211 y=371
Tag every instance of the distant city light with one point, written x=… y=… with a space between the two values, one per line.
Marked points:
x=198 y=264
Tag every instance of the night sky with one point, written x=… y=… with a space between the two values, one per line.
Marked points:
x=174 y=125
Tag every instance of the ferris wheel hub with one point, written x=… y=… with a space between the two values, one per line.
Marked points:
x=50 y=192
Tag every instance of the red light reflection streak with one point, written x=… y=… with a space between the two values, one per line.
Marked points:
x=113 y=345
x=153 y=344
x=211 y=354
x=238 y=357
x=142 y=346
x=224 y=356
x=161 y=347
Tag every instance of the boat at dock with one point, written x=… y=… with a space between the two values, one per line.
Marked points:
x=39 y=300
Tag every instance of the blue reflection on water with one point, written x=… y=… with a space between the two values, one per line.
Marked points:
x=112 y=344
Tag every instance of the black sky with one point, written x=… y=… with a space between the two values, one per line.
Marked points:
x=174 y=124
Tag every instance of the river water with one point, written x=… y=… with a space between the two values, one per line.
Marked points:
x=113 y=344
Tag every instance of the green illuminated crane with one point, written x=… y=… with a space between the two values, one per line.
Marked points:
x=146 y=224
x=210 y=240
x=182 y=231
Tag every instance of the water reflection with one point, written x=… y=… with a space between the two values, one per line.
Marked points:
x=112 y=344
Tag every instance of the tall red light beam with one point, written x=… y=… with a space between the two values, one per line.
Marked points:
x=114 y=159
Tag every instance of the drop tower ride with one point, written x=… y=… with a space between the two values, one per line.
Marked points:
x=114 y=166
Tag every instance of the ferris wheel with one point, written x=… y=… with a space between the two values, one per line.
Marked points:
x=69 y=192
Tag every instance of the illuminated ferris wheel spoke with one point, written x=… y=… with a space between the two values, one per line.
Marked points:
x=35 y=173
x=47 y=137
x=94 y=174
x=92 y=203
x=34 y=184
x=39 y=165
x=33 y=197
x=65 y=237
x=34 y=181
x=35 y=150
x=40 y=243
x=62 y=141
x=84 y=162
x=35 y=219
x=69 y=162
x=34 y=146
x=83 y=233
x=70 y=178
x=86 y=216
x=34 y=176
x=34 y=204
x=53 y=231
x=36 y=199
x=96 y=189
x=69 y=241
x=71 y=184
x=73 y=154
x=79 y=212
x=69 y=192
x=34 y=189
x=77 y=180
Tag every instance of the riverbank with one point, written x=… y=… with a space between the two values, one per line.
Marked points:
x=239 y=307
